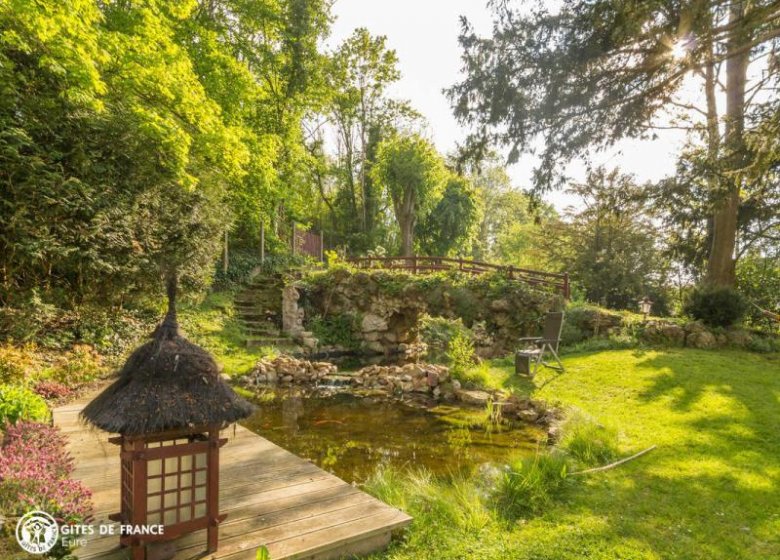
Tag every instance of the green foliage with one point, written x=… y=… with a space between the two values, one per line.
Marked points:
x=450 y=228
x=460 y=355
x=437 y=332
x=81 y=364
x=240 y=266
x=262 y=554
x=716 y=306
x=153 y=126
x=17 y=365
x=587 y=441
x=530 y=485
x=605 y=246
x=412 y=172
x=18 y=403
x=758 y=279
x=336 y=329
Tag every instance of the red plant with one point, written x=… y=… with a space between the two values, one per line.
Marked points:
x=52 y=390
x=34 y=471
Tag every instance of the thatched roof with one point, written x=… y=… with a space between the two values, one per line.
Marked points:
x=168 y=383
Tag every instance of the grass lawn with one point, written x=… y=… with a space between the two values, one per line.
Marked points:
x=710 y=490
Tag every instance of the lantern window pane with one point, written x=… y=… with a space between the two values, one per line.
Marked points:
x=200 y=510
x=171 y=499
x=171 y=464
x=186 y=463
x=170 y=517
x=153 y=503
x=200 y=461
x=186 y=479
x=185 y=497
x=154 y=518
x=171 y=482
x=200 y=493
x=200 y=477
x=185 y=514
x=154 y=467
x=154 y=485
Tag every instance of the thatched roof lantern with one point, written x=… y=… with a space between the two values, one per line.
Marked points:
x=167 y=384
x=168 y=405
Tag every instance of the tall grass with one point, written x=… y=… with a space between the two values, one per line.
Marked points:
x=531 y=484
x=588 y=441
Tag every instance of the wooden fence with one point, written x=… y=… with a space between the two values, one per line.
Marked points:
x=422 y=265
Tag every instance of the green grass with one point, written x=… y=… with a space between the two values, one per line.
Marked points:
x=710 y=490
x=213 y=325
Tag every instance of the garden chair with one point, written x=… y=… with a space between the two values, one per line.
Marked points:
x=537 y=346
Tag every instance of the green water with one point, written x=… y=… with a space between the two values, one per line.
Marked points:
x=351 y=436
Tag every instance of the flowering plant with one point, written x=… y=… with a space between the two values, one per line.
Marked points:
x=34 y=471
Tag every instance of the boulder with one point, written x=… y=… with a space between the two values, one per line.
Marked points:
x=473 y=397
x=373 y=323
x=700 y=339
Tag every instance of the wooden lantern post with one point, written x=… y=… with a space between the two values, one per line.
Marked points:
x=170 y=479
x=168 y=407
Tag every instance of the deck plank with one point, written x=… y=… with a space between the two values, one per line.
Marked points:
x=271 y=496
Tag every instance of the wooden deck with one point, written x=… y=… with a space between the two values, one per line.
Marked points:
x=271 y=498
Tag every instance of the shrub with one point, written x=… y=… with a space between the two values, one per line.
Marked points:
x=460 y=354
x=34 y=471
x=19 y=403
x=716 y=307
x=437 y=332
x=531 y=484
x=336 y=329
x=587 y=441
x=81 y=365
x=17 y=364
x=52 y=390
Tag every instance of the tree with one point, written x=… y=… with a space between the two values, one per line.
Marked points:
x=357 y=114
x=451 y=226
x=609 y=246
x=412 y=171
x=598 y=71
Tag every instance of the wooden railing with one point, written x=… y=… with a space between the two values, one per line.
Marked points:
x=421 y=265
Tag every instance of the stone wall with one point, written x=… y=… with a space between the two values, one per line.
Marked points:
x=387 y=306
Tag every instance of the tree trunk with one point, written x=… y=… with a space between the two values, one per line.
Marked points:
x=407 y=239
x=721 y=264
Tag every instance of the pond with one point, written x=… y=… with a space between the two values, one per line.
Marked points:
x=351 y=436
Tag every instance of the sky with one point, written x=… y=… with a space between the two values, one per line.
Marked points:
x=424 y=34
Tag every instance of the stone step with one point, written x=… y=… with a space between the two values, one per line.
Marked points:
x=255 y=342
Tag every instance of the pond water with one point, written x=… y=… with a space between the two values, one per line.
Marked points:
x=351 y=436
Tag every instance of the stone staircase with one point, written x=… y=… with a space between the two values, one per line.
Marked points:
x=259 y=311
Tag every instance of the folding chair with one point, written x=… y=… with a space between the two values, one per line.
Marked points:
x=537 y=346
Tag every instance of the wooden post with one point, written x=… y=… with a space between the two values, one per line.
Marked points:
x=414 y=264
x=293 y=238
x=138 y=516
x=566 y=287
x=262 y=241
x=212 y=490
x=225 y=255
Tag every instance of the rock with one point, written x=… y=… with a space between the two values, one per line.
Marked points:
x=455 y=385
x=500 y=305
x=660 y=332
x=473 y=397
x=373 y=323
x=287 y=379
x=739 y=338
x=375 y=346
x=528 y=415
x=700 y=339
x=433 y=379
